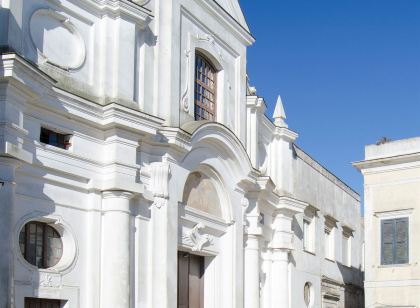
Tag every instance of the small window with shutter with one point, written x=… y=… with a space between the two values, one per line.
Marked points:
x=394 y=241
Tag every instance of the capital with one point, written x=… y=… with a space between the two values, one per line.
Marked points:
x=108 y=194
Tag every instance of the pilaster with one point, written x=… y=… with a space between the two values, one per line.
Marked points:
x=280 y=246
x=7 y=203
x=115 y=286
x=253 y=233
x=164 y=219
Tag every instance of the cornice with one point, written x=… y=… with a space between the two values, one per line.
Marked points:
x=121 y=8
x=285 y=133
x=387 y=161
x=41 y=92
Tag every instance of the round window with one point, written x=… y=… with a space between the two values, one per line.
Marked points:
x=40 y=244
x=307 y=293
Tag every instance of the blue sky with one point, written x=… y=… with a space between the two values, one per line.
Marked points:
x=348 y=72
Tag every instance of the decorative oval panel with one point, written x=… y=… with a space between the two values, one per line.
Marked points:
x=56 y=39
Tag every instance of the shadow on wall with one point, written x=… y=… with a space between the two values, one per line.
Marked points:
x=353 y=293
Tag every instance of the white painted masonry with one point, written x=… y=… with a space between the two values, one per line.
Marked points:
x=117 y=76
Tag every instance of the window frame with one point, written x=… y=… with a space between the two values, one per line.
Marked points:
x=348 y=234
x=394 y=214
x=309 y=236
x=44 y=242
x=394 y=258
x=197 y=82
x=330 y=227
x=65 y=144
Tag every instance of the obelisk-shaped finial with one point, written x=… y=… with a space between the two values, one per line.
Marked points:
x=279 y=115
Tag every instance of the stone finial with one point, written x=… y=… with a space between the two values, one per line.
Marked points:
x=279 y=115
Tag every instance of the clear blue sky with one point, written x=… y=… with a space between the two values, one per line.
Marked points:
x=348 y=72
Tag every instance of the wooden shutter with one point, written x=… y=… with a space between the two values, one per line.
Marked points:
x=401 y=241
x=387 y=241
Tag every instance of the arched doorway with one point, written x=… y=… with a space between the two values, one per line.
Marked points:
x=201 y=229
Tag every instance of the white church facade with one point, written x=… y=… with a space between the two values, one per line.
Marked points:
x=138 y=168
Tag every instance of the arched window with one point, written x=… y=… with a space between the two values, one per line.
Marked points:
x=205 y=89
x=40 y=244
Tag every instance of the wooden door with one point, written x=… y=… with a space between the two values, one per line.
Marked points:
x=190 y=281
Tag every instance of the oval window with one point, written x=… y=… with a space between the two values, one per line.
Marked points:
x=40 y=244
x=307 y=293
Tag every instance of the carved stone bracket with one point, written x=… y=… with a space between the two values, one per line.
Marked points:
x=159 y=202
x=159 y=183
x=196 y=238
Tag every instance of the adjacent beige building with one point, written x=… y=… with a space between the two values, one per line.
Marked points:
x=391 y=171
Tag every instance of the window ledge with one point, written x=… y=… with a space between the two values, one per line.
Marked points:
x=309 y=252
x=394 y=265
x=329 y=259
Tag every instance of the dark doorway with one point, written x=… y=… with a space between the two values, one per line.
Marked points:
x=190 y=280
x=41 y=303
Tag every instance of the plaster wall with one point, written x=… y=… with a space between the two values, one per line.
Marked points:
x=391 y=174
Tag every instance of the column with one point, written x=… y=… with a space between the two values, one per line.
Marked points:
x=252 y=272
x=115 y=290
x=7 y=203
x=164 y=227
x=253 y=234
x=280 y=278
x=280 y=246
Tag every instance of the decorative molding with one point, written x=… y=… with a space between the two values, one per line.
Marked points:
x=194 y=41
x=49 y=280
x=160 y=173
x=116 y=194
x=159 y=202
x=196 y=238
x=395 y=213
x=68 y=236
x=141 y=2
x=245 y=205
x=184 y=97
x=208 y=38
x=79 y=57
x=159 y=183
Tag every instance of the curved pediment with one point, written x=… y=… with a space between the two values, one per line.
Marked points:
x=216 y=139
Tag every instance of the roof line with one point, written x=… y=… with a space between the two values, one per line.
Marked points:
x=234 y=19
x=329 y=172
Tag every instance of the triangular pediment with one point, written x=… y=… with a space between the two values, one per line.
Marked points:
x=234 y=9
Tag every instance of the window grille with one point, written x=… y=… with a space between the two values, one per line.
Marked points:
x=205 y=89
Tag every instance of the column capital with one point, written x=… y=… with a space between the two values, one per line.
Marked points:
x=107 y=194
x=287 y=206
x=116 y=201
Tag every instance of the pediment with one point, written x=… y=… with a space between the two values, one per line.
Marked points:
x=233 y=8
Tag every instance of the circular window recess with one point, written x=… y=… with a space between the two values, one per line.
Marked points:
x=308 y=294
x=47 y=244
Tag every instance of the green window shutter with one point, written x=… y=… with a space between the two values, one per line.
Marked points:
x=401 y=241
x=387 y=241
